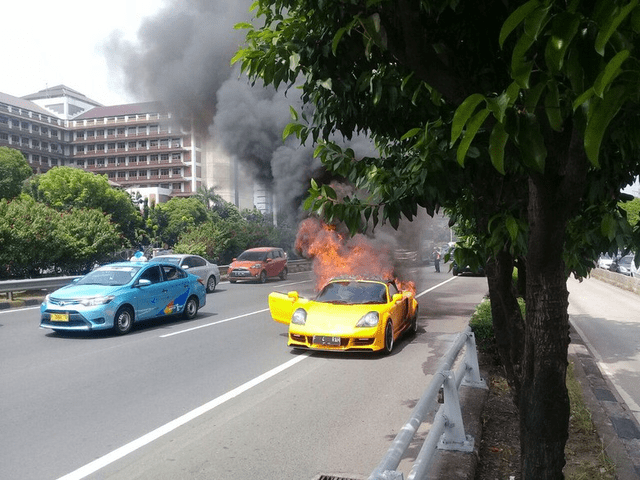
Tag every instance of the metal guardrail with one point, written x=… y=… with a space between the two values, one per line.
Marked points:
x=447 y=431
x=11 y=286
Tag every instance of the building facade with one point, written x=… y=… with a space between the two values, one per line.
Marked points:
x=138 y=146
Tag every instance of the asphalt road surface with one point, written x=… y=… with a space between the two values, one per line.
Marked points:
x=608 y=320
x=218 y=397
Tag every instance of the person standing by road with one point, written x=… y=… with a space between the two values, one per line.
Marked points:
x=436 y=259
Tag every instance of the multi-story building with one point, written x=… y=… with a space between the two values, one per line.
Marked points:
x=137 y=145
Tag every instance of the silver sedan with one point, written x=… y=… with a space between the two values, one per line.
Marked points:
x=195 y=264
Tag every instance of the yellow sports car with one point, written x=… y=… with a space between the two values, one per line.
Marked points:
x=347 y=314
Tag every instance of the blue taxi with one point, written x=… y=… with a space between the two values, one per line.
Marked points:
x=116 y=295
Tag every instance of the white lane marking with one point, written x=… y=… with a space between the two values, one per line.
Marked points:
x=130 y=447
x=214 y=323
x=435 y=286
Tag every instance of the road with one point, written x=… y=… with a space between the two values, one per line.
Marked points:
x=608 y=320
x=219 y=397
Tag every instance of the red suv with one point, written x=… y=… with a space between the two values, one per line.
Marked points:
x=258 y=264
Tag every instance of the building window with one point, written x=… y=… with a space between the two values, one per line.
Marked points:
x=121 y=131
x=112 y=161
x=91 y=162
x=142 y=144
x=121 y=145
x=90 y=148
x=111 y=131
x=142 y=159
x=153 y=158
x=164 y=172
x=153 y=143
x=45 y=130
x=142 y=173
x=164 y=143
x=176 y=171
x=175 y=142
x=80 y=149
x=111 y=146
x=79 y=135
x=91 y=134
x=120 y=160
x=122 y=174
x=111 y=175
x=132 y=145
x=177 y=187
x=154 y=173
x=54 y=133
x=164 y=157
x=100 y=133
x=100 y=147
x=100 y=162
x=176 y=156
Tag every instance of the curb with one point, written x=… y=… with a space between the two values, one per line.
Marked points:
x=616 y=426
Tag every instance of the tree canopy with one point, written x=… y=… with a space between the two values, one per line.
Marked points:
x=520 y=118
x=14 y=170
x=64 y=188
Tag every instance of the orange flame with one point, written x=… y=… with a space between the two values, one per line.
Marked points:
x=335 y=254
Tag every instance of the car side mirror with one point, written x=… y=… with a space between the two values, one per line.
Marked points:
x=143 y=282
x=185 y=267
x=293 y=295
x=267 y=260
x=396 y=297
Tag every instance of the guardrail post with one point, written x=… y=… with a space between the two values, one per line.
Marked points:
x=472 y=376
x=453 y=437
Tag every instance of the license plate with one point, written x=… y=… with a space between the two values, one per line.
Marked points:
x=59 y=317
x=324 y=340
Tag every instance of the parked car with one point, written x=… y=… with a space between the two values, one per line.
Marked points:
x=604 y=261
x=347 y=314
x=118 y=294
x=207 y=271
x=624 y=265
x=258 y=264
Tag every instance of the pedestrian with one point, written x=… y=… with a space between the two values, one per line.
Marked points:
x=436 y=259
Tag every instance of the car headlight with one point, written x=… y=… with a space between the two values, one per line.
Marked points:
x=257 y=265
x=371 y=319
x=299 y=317
x=93 y=301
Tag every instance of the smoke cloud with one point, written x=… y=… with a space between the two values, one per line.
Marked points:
x=182 y=58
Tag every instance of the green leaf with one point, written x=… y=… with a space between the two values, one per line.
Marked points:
x=512 y=228
x=585 y=96
x=411 y=133
x=600 y=115
x=336 y=39
x=497 y=141
x=516 y=18
x=564 y=28
x=611 y=71
x=472 y=128
x=531 y=143
x=463 y=113
x=552 y=106
x=611 y=25
x=520 y=67
x=608 y=226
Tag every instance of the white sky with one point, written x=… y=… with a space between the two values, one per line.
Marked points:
x=48 y=43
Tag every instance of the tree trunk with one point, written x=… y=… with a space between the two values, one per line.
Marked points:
x=508 y=324
x=544 y=401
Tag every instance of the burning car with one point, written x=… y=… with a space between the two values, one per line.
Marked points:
x=347 y=314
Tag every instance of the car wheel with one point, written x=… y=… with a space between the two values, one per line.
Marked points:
x=283 y=274
x=191 y=308
x=211 y=284
x=232 y=281
x=455 y=272
x=263 y=277
x=388 y=338
x=123 y=320
x=413 y=329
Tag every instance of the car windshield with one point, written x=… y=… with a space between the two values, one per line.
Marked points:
x=111 y=276
x=625 y=261
x=353 y=293
x=252 y=256
x=173 y=260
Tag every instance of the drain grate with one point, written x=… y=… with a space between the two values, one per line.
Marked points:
x=336 y=477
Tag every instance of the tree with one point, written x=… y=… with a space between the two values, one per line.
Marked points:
x=64 y=188
x=521 y=118
x=37 y=239
x=14 y=170
x=177 y=216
